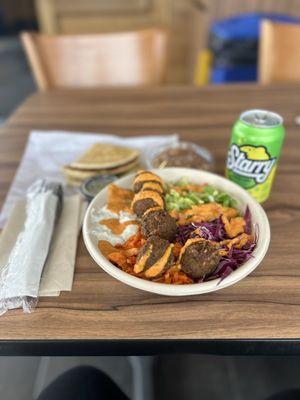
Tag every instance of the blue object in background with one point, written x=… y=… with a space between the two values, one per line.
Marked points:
x=244 y=73
x=246 y=26
x=234 y=44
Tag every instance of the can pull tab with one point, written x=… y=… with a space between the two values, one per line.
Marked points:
x=260 y=118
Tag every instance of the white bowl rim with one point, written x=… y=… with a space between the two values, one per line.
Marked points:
x=259 y=252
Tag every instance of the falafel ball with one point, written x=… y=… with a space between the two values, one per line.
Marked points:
x=199 y=258
x=146 y=176
x=151 y=185
x=160 y=223
x=146 y=199
x=154 y=258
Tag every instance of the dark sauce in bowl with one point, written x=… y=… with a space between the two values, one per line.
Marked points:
x=182 y=154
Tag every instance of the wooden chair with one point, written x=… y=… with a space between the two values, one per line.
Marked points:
x=93 y=60
x=279 y=52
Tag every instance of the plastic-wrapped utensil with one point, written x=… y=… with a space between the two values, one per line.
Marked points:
x=20 y=277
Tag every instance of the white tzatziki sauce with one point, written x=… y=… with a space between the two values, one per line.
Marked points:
x=102 y=232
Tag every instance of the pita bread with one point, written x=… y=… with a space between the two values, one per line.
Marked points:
x=104 y=155
x=74 y=173
x=77 y=182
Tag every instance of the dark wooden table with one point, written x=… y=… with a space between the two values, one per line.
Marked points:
x=260 y=314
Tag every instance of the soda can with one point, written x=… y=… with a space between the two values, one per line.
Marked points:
x=254 y=150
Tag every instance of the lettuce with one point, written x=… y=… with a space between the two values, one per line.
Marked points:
x=188 y=198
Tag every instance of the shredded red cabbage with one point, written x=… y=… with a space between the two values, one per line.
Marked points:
x=233 y=260
x=215 y=231
x=247 y=218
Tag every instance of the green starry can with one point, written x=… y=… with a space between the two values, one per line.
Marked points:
x=254 y=150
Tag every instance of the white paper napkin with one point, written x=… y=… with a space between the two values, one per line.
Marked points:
x=58 y=271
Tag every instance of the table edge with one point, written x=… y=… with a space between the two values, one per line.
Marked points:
x=149 y=347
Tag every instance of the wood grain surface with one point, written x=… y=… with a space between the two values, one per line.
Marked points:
x=266 y=304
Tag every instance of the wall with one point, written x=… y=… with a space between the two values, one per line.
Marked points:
x=17 y=14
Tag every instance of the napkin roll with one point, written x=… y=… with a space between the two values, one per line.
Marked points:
x=20 y=277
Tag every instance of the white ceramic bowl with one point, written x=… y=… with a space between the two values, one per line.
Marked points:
x=259 y=219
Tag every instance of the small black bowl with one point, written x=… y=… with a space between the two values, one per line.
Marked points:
x=91 y=187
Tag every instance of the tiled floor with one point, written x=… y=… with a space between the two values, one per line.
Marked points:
x=197 y=377
x=17 y=377
x=191 y=377
x=23 y=378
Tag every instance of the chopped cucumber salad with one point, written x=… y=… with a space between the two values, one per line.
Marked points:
x=180 y=200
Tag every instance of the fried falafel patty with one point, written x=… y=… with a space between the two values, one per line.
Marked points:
x=151 y=185
x=159 y=223
x=199 y=258
x=154 y=258
x=146 y=199
x=146 y=177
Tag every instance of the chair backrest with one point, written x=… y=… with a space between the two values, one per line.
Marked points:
x=279 y=52
x=93 y=60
